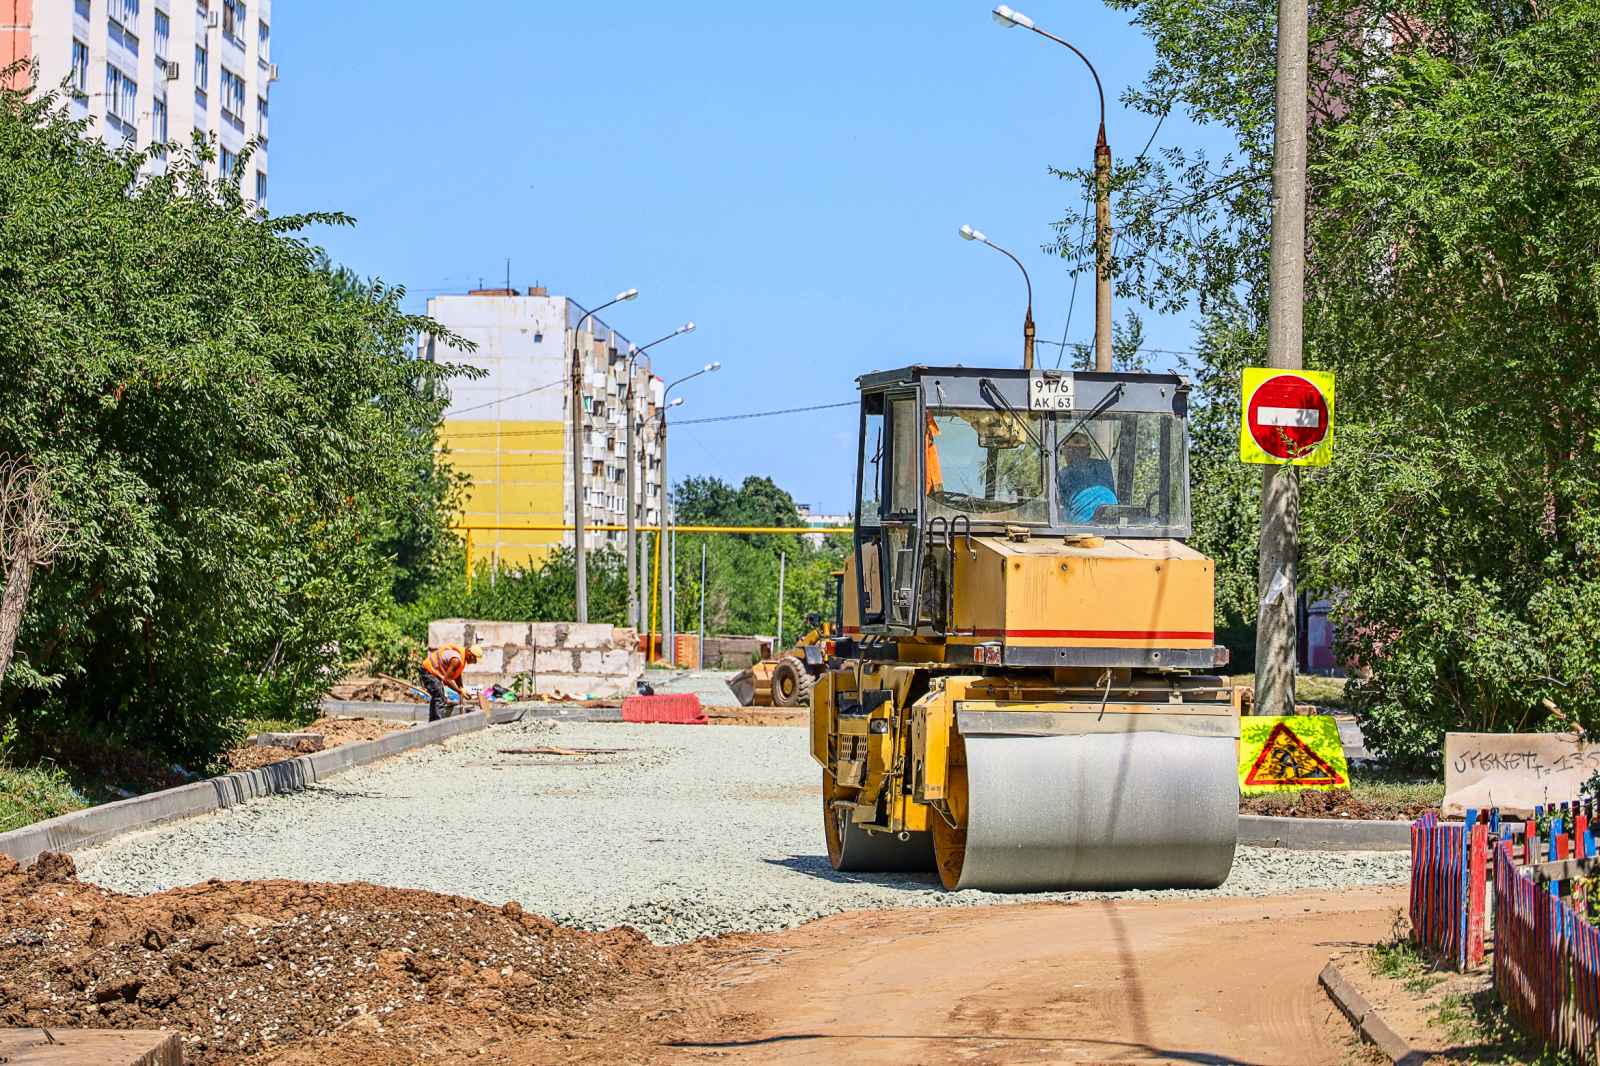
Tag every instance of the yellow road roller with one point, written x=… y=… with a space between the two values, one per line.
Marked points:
x=1024 y=694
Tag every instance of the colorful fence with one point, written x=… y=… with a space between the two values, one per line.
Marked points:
x=1546 y=955
x=1448 y=873
x=1546 y=949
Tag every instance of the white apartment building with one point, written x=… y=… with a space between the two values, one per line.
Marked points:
x=155 y=71
x=509 y=431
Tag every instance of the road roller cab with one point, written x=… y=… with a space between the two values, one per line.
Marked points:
x=1020 y=699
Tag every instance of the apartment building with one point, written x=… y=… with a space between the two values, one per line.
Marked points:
x=509 y=431
x=152 y=71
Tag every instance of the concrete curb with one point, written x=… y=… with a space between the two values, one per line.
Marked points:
x=500 y=713
x=82 y=829
x=1366 y=1019
x=1324 y=834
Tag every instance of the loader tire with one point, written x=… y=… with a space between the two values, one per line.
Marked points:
x=791 y=684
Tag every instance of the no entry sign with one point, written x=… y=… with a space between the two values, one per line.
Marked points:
x=1286 y=417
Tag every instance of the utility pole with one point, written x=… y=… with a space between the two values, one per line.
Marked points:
x=1277 y=645
x=1102 y=249
x=635 y=600
x=700 y=653
x=782 y=562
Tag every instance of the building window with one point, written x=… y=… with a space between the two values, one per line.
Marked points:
x=122 y=94
x=163 y=36
x=158 y=122
x=261 y=187
x=125 y=11
x=261 y=119
x=230 y=160
x=202 y=68
x=80 y=68
x=83 y=9
x=263 y=36
x=233 y=21
x=117 y=33
x=233 y=98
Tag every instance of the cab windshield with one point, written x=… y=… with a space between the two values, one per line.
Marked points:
x=1110 y=471
x=986 y=464
x=1120 y=470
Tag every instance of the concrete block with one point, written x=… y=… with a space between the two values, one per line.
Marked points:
x=588 y=637
x=624 y=638
x=519 y=660
x=493 y=661
x=78 y=1047
x=499 y=634
x=545 y=635
x=292 y=741
x=447 y=631
x=388 y=712
x=591 y=662
x=580 y=686
x=622 y=663
x=1324 y=834
x=555 y=662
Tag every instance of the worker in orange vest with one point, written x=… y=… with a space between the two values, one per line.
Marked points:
x=443 y=669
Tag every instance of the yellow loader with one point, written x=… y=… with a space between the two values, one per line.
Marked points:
x=1022 y=696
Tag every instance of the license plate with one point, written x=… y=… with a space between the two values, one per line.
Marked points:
x=1050 y=392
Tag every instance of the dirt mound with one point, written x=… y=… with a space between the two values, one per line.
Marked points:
x=1331 y=803
x=241 y=969
x=334 y=732
x=383 y=689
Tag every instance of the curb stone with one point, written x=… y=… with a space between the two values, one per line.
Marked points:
x=1324 y=834
x=1369 y=1024
x=95 y=825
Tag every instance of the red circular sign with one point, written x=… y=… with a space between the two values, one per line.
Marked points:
x=1288 y=416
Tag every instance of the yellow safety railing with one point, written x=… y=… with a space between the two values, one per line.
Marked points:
x=556 y=527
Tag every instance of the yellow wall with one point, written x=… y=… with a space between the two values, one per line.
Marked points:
x=516 y=471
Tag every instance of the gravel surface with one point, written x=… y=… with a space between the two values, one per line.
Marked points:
x=688 y=832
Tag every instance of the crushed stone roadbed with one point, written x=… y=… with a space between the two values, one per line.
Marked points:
x=680 y=832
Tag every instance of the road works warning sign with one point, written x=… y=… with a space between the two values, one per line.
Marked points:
x=1286 y=417
x=1290 y=753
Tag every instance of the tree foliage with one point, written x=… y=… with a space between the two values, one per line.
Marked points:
x=234 y=435
x=1453 y=285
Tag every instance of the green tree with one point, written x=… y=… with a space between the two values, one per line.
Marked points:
x=234 y=434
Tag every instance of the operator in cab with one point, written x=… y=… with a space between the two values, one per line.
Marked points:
x=1083 y=480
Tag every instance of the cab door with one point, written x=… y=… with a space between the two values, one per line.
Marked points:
x=889 y=510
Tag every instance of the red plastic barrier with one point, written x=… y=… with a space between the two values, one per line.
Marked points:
x=677 y=709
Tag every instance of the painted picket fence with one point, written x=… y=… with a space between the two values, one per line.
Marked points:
x=1449 y=862
x=1546 y=953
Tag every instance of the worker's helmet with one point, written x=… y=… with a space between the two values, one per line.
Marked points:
x=474 y=652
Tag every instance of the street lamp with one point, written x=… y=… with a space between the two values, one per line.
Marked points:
x=580 y=553
x=970 y=234
x=633 y=552
x=1008 y=18
x=667 y=602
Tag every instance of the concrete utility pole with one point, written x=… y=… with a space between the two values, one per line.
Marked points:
x=667 y=576
x=634 y=599
x=1007 y=17
x=1277 y=645
x=576 y=388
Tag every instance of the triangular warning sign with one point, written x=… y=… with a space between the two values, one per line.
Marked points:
x=1285 y=759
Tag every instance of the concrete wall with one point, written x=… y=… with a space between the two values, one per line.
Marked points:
x=736 y=653
x=555 y=658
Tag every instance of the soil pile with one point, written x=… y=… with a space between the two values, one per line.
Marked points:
x=1332 y=803
x=334 y=732
x=246 y=969
x=379 y=689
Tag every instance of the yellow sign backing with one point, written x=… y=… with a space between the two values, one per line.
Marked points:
x=1286 y=417
x=1290 y=753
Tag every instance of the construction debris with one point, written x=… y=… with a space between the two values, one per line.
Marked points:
x=562 y=751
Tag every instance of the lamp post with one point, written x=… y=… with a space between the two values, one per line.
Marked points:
x=580 y=555
x=667 y=626
x=970 y=234
x=1005 y=16
x=633 y=554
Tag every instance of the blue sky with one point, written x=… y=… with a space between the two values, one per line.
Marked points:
x=791 y=177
